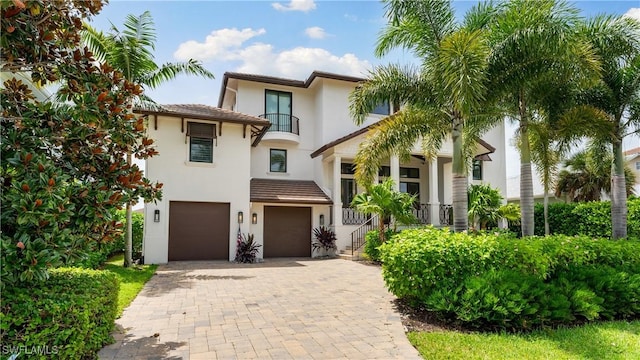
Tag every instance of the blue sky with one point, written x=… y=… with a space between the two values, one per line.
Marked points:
x=287 y=39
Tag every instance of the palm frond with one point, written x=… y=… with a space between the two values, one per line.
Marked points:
x=388 y=83
x=170 y=71
x=396 y=134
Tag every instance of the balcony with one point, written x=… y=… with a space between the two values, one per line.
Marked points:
x=284 y=127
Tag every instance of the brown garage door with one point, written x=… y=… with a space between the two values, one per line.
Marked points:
x=287 y=231
x=198 y=231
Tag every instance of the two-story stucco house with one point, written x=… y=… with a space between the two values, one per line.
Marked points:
x=274 y=159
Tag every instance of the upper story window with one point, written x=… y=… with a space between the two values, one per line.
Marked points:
x=410 y=173
x=384 y=171
x=278 y=160
x=383 y=108
x=477 y=170
x=277 y=108
x=348 y=169
x=637 y=165
x=201 y=142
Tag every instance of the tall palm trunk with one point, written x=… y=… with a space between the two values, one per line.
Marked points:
x=128 y=248
x=526 y=181
x=546 y=211
x=460 y=180
x=618 y=194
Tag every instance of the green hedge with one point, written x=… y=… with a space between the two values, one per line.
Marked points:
x=497 y=281
x=592 y=219
x=69 y=316
x=372 y=242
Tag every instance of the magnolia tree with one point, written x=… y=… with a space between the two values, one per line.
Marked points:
x=64 y=170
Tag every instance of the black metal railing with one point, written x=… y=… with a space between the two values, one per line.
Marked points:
x=351 y=217
x=421 y=213
x=358 y=236
x=446 y=214
x=282 y=122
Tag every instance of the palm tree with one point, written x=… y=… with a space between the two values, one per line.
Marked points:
x=131 y=52
x=439 y=99
x=535 y=49
x=616 y=41
x=587 y=174
x=382 y=200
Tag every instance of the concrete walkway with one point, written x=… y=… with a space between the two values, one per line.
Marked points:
x=280 y=309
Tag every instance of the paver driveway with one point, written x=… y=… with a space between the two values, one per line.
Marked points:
x=281 y=309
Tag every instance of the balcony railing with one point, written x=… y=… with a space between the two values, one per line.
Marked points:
x=351 y=217
x=421 y=213
x=446 y=214
x=282 y=122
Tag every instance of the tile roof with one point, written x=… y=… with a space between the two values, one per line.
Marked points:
x=205 y=112
x=287 y=191
x=283 y=81
x=632 y=151
x=323 y=148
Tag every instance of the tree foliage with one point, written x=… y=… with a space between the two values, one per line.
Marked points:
x=63 y=164
x=382 y=200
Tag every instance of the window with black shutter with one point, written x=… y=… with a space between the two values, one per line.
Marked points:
x=201 y=142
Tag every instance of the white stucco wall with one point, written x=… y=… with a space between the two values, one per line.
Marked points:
x=224 y=181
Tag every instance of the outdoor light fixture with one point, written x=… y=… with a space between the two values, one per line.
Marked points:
x=240 y=217
x=156 y=215
x=254 y=218
x=321 y=219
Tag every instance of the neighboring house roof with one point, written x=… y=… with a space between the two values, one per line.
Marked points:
x=338 y=141
x=282 y=81
x=287 y=191
x=632 y=151
x=205 y=112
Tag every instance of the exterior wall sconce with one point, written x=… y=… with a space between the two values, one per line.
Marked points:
x=156 y=215
x=254 y=218
x=321 y=219
x=240 y=217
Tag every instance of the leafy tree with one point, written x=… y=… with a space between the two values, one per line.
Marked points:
x=588 y=175
x=535 y=49
x=131 y=52
x=486 y=208
x=63 y=167
x=442 y=98
x=616 y=41
x=382 y=200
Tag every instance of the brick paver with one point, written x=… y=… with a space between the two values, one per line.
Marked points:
x=280 y=309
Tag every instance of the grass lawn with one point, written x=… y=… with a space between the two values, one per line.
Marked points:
x=609 y=340
x=131 y=279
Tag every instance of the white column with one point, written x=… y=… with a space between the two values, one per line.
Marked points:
x=337 y=193
x=394 y=164
x=434 y=203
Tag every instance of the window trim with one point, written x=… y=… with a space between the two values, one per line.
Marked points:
x=271 y=163
x=200 y=137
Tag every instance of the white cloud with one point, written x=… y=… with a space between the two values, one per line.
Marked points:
x=299 y=62
x=296 y=5
x=230 y=45
x=633 y=13
x=221 y=44
x=315 y=32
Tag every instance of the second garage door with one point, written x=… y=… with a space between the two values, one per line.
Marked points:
x=287 y=231
x=198 y=231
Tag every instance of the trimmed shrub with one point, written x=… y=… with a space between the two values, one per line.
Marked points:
x=70 y=316
x=372 y=241
x=592 y=219
x=495 y=280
